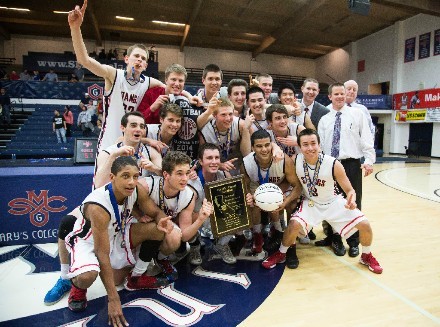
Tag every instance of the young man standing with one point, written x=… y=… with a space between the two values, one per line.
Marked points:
x=237 y=89
x=256 y=103
x=59 y=126
x=318 y=174
x=310 y=90
x=212 y=80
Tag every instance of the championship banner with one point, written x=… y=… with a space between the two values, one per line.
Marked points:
x=417 y=99
x=374 y=101
x=424 y=45
x=417 y=116
x=410 y=49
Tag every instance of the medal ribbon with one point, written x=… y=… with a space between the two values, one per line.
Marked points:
x=225 y=152
x=311 y=183
x=120 y=221
x=162 y=204
x=260 y=177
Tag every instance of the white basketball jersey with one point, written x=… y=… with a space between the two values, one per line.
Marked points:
x=276 y=171
x=197 y=186
x=174 y=205
x=324 y=188
x=259 y=124
x=298 y=119
x=143 y=152
x=123 y=97
x=292 y=130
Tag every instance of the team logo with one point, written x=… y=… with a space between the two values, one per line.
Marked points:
x=37 y=206
x=95 y=91
x=188 y=130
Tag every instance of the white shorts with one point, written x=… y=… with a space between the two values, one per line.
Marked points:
x=340 y=218
x=83 y=258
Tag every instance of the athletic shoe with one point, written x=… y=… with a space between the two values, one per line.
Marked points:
x=225 y=253
x=237 y=243
x=274 y=241
x=257 y=246
x=312 y=235
x=304 y=240
x=337 y=245
x=195 y=257
x=327 y=241
x=272 y=260
x=353 y=251
x=57 y=292
x=367 y=259
x=292 y=261
x=206 y=232
x=77 y=299
x=168 y=269
x=133 y=283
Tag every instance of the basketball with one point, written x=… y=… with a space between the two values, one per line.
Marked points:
x=268 y=197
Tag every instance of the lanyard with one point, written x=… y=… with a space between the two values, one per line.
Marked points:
x=202 y=179
x=225 y=151
x=120 y=222
x=311 y=183
x=260 y=176
x=165 y=149
x=162 y=204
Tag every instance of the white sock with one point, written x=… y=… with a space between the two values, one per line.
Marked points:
x=257 y=228
x=161 y=256
x=283 y=249
x=224 y=239
x=277 y=225
x=64 y=270
x=366 y=249
x=140 y=267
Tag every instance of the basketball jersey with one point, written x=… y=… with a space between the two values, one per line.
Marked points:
x=226 y=153
x=187 y=139
x=174 y=205
x=259 y=124
x=292 y=130
x=101 y=197
x=143 y=152
x=298 y=119
x=123 y=97
x=196 y=185
x=324 y=188
x=153 y=132
x=276 y=171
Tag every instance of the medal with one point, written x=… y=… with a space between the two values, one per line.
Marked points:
x=226 y=146
x=312 y=182
x=311 y=203
x=123 y=244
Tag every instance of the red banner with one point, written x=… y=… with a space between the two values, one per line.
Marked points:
x=417 y=99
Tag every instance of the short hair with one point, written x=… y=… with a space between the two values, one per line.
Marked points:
x=213 y=69
x=279 y=108
x=207 y=146
x=236 y=82
x=285 y=86
x=254 y=89
x=175 y=68
x=262 y=75
x=136 y=46
x=174 y=158
x=121 y=162
x=171 y=108
x=308 y=131
x=124 y=119
x=337 y=84
x=311 y=80
x=259 y=135
x=222 y=103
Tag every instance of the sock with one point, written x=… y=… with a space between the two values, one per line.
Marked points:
x=277 y=225
x=257 y=228
x=64 y=270
x=161 y=256
x=140 y=267
x=224 y=239
x=366 y=249
x=283 y=249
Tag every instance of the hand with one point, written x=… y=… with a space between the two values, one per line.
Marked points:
x=213 y=103
x=125 y=150
x=160 y=102
x=158 y=145
x=115 y=315
x=286 y=201
x=206 y=210
x=288 y=141
x=249 y=120
x=368 y=169
x=193 y=174
x=196 y=101
x=253 y=82
x=145 y=219
x=165 y=225
x=250 y=200
x=350 y=203
x=227 y=165
x=277 y=154
x=76 y=16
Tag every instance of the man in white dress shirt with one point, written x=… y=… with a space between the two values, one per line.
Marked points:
x=348 y=142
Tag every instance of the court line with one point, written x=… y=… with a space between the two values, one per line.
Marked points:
x=384 y=287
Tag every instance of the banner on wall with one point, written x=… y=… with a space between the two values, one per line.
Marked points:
x=410 y=49
x=425 y=45
x=417 y=99
x=375 y=101
x=431 y=115
x=437 y=42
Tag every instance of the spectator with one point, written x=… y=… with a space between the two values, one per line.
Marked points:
x=100 y=106
x=110 y=55
x=102 y=54
x=68 y=117
x=79 y=72
x=73 y=78
x=151 y=53
x=59 y=126
x=85 y=121
x=5 y=103
x=51 y=76
x=85 y=99
x=24 y=76
x=14 y=76
x=97 y=129
x=36 y=76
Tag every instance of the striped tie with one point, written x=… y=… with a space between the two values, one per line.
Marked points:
x=336 y=135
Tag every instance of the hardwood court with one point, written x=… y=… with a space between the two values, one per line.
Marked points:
x=337 y=291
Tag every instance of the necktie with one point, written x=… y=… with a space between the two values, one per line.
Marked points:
x=349 y=104
x=306 y=109
x=336 y=136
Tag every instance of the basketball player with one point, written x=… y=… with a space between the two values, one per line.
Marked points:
x=318 y=173
x=212 y=80
x=237 y=89
x=256 y=103
x=209 y=162
x=104 y=240
x=259 y=168
x=173 y=196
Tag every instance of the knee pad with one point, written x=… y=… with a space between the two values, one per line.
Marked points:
x=66 y=226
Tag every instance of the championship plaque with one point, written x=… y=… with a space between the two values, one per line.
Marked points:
x=231 y=213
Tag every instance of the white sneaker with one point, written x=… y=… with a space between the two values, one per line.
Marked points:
x=304 y=240
x=225 y=253
x=194 y=255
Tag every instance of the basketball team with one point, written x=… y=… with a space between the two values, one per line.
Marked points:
x=158 y=147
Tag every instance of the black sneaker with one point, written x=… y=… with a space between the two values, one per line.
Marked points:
x=324 y=242
x=292 y=261
x=274 y=241
x=337 y=245
x=237 y=243
x=312 y=235
x=353 y=251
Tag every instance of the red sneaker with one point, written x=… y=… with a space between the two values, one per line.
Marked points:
x=168 y=269
x=144 y=282
x=367 y=259
x=272 y=260
x=257 y=246
x=77 y=299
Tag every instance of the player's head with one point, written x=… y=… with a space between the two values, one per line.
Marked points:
x=286 y=94
x=261 y=144
x=237 y=92
x=265 y=82
x=171 y=116
x=224 y=114
x=212 y=78
x=256 y=100
x=310 y=90
x=125 y=118
x=278 y=117
x=56 y=112
x=136 y=58
x=176 y=169
x=175 y=77
x=133 y=127
x=351 y=91
x=308 y=137
x=209 y=157
x=336 y=93
x=124 y=175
